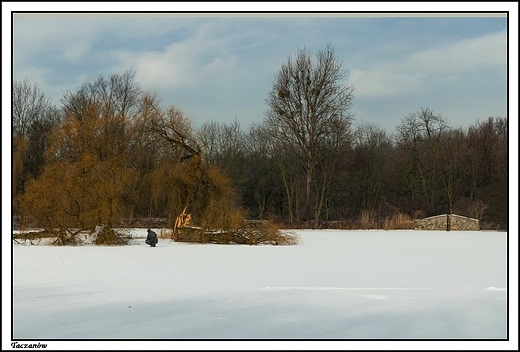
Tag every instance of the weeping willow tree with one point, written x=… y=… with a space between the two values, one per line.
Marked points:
x=184 y=182
x=87 y=163
x=83 y=180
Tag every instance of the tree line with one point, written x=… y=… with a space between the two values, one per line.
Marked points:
x=113 y=151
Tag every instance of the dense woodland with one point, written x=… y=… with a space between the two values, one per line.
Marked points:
x=112 y=151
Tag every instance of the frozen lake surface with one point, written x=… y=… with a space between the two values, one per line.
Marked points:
x=338 y=285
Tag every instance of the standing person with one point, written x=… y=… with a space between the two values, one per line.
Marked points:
x=151 y=238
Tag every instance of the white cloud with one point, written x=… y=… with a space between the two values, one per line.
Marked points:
x=68 y=37
x=408 y=76
x=76 y=51
x=384 y=83
x=33 y=73
x=467 y=54
x=182 y=63
x=155 y=69
x=226 y=64
x=221 y=64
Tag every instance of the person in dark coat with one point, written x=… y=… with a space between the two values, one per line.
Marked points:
x=151 y=238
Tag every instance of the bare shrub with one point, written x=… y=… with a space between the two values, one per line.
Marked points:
x=266 y=232
x=62 y=237
x=476 y=209
x=110 y=237
x=288 y=238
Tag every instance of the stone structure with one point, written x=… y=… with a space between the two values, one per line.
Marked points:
x=447 y=222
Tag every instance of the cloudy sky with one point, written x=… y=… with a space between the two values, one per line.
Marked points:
x=221 y=67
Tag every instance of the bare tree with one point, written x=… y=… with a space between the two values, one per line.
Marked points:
x=29 y=104
x=224 y=146
x=488 y=167
x=33 y=118
x=418 y=138
x=449 y=162
x=263 y=189
x=372 y=149
x=477 y=208
x=119 y=95
x=308 y=103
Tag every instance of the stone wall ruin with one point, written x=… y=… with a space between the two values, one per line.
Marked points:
x=447 y=222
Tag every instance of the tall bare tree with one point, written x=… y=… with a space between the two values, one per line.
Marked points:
x=263 y=189
x=418 y=138
x=307 y=104
x=451 y=169
x=372 y=149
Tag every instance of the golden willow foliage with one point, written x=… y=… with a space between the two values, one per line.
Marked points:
x=219 y=209
x=188 y=183
x=78 y=191
x=211 y=201
x=84 y=178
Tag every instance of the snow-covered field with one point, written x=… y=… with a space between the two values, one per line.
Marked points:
x=335 y=285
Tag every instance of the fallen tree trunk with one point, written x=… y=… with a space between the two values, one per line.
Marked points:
x=252 y=233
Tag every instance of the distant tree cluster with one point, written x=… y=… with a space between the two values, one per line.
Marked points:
x=370 y=179
x=111 y=151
